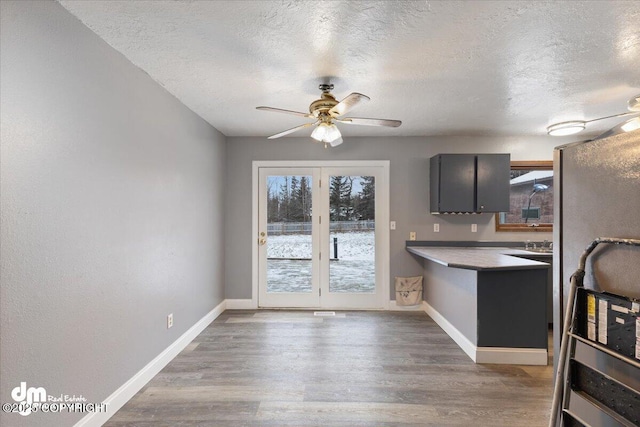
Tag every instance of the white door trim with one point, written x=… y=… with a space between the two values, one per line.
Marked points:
x=384 y=214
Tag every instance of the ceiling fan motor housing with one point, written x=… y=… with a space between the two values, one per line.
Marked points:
x=320 y=107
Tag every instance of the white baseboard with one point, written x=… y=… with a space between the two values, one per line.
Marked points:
x=250 y=304
x=512 y=356
x=497 y=355
x=126 y=391
x=393 y=306
x=462 y=341
x=241 y=304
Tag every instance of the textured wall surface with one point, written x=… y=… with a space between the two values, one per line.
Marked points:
x=601 y=198
x=111 y=212
x=409 y=192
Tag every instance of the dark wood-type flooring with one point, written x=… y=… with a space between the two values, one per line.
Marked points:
x=284 y=368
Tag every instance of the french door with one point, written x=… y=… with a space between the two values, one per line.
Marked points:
x=322 y=234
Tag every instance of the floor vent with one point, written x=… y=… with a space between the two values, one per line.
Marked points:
x=324 y=313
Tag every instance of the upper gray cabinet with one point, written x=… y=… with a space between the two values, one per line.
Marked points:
x=470 y=183
x=493 y=182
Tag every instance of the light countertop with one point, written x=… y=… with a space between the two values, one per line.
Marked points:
x=479 y=258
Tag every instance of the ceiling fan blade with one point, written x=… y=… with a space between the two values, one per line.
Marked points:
x=347 y=104
x=370 y=122
x=280 y=110
x=288 y=131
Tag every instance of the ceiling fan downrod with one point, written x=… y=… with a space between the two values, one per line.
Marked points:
x=325 y=87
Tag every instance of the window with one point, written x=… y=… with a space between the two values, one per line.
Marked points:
x=530 y=198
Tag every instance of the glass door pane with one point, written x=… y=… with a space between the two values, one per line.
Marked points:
x=352 y=239
x=288 y=248
x=351 y=276
x=289 y=237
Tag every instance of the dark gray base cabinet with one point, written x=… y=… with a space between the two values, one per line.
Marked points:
x=469 y=183
x=511 y=308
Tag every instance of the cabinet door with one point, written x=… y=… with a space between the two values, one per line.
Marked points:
x=457 y=182
x=493 y=183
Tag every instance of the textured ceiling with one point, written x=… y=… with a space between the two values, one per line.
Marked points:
x=443 y=68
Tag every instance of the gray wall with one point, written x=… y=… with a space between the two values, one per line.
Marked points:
x=409 y=181
x=112 y=195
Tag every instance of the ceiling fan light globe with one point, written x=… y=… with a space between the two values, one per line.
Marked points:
x=336 y=142
x=320 y=132
x=333 y=133
x=566 y=128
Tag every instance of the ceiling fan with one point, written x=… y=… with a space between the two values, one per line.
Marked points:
x=575 y=126
x=328 y=110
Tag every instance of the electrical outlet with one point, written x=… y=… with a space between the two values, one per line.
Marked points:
x=169 y=320
x=436 y=228
x=392 y=225
x=474 y=228
x=412 y=235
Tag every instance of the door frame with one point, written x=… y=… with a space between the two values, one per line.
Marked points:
x=383 y=221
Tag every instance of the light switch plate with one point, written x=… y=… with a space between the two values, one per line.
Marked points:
x=474 y=228
x=392 y=225
x=436 y=228
x=412 y=235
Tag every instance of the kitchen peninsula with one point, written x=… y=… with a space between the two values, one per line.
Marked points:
x=491 y=300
